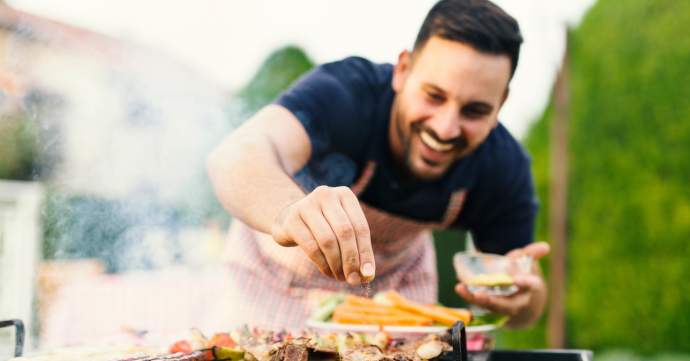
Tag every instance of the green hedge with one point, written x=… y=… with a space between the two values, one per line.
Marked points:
x=629 y=199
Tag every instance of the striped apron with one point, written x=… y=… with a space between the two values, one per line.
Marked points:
x=279 y=287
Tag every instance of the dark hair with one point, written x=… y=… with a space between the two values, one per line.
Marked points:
x=479 y=23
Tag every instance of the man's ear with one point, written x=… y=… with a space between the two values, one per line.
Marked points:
x=505 y=96
x=402 y=70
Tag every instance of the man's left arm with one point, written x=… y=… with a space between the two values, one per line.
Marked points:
x=509 y=228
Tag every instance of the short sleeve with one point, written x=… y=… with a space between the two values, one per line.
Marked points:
x=511 y=222
x=503 y=205
x=335 y=102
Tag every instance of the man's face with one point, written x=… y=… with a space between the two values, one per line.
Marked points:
x=447 y=99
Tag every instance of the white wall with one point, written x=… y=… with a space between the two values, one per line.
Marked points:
x=20 y=241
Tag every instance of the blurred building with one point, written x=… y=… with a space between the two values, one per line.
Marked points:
x=20 y=235
x=101 y=104
x=109 y=120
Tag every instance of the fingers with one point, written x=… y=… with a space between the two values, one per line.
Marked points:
x=509 y=305
x=367 y=264
x=325 y=238
x=299 y=233
x=535 y=250
x=529 y=287
x=279 y=232
x=538 y=249
x=528 y=282
x=344 y=231
x=478 y=299
x=330 y=226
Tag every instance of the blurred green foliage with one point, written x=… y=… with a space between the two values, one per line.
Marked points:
x=629 y=200
x=278 y=71
x=447 y=243
x=17 y=148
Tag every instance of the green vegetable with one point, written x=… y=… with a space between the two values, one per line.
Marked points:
x=327 y=306
x=228 y=353
x=489 y=319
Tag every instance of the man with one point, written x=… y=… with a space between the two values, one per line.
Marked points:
x=342 y=179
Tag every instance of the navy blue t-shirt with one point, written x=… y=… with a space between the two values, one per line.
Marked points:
x=345 y=108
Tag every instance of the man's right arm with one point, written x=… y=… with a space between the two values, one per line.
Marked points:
x=250 y=171
x=250 y=168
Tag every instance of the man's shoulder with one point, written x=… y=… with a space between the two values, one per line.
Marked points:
x=359 y=69
x=341 y=104
x=502 y=155
x=352 y=84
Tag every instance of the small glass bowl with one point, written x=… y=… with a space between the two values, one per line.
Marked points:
x=490 y=273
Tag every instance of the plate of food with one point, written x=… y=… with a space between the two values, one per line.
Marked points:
x=393 y=313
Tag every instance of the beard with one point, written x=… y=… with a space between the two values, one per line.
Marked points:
x=405 y=165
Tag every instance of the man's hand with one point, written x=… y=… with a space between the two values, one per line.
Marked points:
x=525 y=306
x=330 y=227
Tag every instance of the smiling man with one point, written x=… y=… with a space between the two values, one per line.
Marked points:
x=343 y=178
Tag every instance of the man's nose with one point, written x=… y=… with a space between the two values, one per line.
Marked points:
x=447 y=125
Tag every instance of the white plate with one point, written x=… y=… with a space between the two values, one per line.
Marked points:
x=398 y=330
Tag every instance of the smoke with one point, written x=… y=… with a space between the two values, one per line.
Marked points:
x=122 y=135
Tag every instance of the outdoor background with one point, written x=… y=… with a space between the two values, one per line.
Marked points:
x=106 y=117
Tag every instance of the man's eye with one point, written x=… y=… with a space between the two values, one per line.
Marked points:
x=473 y=113
x=436 y=98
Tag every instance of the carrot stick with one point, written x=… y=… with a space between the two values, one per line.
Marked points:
x=361 y=301
x=340 y=316
x=462 y=314
x=373 y=308
x=381 y=311
x=440 y=316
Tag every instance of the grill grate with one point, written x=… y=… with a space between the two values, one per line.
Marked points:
x=458 y=341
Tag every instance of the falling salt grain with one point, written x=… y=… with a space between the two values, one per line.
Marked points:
x=366 y=286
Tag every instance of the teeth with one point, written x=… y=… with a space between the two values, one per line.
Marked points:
x=434 y=144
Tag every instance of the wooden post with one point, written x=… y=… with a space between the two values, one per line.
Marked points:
x=558 y=196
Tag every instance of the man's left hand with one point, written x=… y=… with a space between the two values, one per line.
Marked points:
x=525 y=306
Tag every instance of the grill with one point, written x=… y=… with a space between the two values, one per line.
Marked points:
x=18 y=335
x=458 y=341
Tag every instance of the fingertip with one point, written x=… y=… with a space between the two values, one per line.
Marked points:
x=528 y=281
x=354 y=279
x=543 y=244
x=539 y=249
x=482 y=299
x=546 y=248
x=462 y=290
x=368 y=270
x=458 y=287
